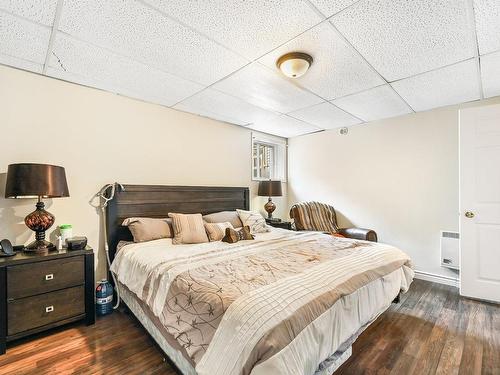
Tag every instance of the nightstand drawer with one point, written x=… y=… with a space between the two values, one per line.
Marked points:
x=32 y=312
x=31 y=279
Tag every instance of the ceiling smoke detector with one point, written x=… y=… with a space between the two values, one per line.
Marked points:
x=294 y=64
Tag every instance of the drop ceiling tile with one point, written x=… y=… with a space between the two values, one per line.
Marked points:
x=487 y=14
x=143 y=34
x=41 y=11
x=337 y=70
x=217 y=105
x=264 y=88
x=81 y=80
x=21 y=64
x=108 y=86
x=251 y=28
x=490 y=74
x=284 y=126
x=329 y=7
x=374 y=104
x=401 y=38
x=325 y=116
x=23 y=39
x=453 y=84
x=102 y=69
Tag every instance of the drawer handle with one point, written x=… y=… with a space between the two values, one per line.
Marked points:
x=49 y=309
x=50 y=276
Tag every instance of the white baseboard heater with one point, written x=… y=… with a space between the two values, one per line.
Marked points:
x=450 y=244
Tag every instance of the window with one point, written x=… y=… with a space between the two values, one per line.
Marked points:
x=268 y=158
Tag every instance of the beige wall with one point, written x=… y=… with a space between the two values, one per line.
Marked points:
x=398 y=176
x=99 y=138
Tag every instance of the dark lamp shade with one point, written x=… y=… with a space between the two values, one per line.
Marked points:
x=28 y=180
x=270 y=189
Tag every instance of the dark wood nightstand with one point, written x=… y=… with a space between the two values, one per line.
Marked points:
x=39 y=292
x=279 y=224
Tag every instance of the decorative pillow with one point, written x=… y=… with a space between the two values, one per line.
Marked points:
x=233 y=236
x=188 y=228
x=254 y=220
x=224 y=216
x=148 y=229
x=216 y=230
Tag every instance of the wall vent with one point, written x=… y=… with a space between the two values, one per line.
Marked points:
x=450 y=244
x=451 y=235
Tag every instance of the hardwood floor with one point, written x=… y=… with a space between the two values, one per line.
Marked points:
x=431 y=331
x=116 y=344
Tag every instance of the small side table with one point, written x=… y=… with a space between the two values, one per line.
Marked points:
x=279 y=224
x=42 y=291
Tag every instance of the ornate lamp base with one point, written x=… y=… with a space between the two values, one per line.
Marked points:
x=39 y=246
x=39 y=221
x=270 y=207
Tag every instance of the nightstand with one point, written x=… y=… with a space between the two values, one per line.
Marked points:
x=42 y=291
x=279 y=224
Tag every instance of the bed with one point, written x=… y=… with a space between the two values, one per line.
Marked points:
x=285 y=303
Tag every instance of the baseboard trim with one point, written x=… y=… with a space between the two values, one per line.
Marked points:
x=446 y=280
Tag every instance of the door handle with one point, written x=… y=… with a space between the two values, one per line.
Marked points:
x=50 y=276
x=49 y=309
x=469 y=214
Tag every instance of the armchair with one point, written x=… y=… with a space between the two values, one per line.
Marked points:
x=322 y=217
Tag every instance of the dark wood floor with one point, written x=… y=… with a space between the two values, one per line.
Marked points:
x=431 y=331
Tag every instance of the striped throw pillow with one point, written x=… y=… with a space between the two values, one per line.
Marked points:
x=254 y=220
x=216 y=231
x=188 y=228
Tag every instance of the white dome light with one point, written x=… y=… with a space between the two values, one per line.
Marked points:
x=294 y=64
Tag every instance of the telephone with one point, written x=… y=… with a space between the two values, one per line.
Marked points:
x=6 y=249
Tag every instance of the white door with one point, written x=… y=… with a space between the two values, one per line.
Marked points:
x=480 y=202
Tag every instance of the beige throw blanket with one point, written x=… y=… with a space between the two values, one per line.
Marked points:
x=231 y=310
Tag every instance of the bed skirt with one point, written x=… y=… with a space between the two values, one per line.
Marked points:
x=330 y=365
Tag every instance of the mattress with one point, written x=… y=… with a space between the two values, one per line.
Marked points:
x=280 y=304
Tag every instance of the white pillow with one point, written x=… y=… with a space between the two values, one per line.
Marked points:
x=254 y=220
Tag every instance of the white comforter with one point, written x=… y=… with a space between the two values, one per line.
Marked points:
x=136 y=264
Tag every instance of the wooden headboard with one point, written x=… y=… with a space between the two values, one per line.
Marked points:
x=158 y=200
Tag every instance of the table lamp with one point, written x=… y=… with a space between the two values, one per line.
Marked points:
x=270 y=189
x=27 y=180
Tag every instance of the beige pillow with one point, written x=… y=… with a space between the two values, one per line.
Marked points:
x=148 y=229
x=254 y=220
x=223 y=217
x=188 y=228
x=216 y=231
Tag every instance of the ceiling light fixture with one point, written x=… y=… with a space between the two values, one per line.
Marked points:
x=294 y=64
